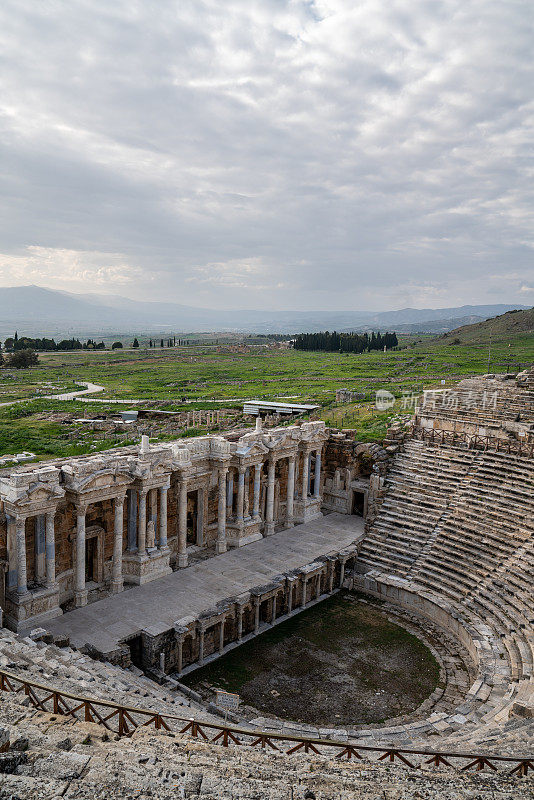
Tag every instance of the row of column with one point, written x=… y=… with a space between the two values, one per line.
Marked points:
x=117 y=581
x=137 y=519
x=306 y=474
x=243 y=490
x=21 y=577
x=137 y=523
x=203 y=625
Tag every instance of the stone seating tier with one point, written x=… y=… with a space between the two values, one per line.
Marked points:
x=458 y=526
x=79 y=760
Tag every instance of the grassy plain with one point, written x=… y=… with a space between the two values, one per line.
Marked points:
x=208 y=377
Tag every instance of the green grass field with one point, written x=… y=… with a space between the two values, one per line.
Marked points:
x=204 y=378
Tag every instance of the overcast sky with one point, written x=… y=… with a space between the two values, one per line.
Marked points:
x=368 y=154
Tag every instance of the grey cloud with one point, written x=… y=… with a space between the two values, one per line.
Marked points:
x=353 y=153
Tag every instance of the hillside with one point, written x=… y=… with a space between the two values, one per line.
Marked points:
x=34 y=310
x=498 y=329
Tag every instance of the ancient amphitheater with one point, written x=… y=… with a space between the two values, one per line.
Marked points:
x=125 y=571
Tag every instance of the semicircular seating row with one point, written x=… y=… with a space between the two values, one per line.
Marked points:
x=455 y=533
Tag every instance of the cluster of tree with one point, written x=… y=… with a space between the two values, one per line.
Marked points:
x=20 y=359
x=118 y=345
x=15 y=344
x=90 y=344
x=171 y=342
x=345 y=342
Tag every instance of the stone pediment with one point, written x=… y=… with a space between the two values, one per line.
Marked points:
x=28 y=489
x=40 y=494
x=104 y=479
x=251 y=447
x=281 y=439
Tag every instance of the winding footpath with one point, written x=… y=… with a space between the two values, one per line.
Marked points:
x=90 y=388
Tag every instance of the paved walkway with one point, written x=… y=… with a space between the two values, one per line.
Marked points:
x=156 y=606
x=90 y=388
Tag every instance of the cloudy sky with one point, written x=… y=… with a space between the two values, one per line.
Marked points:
x=269 y=153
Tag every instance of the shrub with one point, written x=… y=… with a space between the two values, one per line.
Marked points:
x=116 y=346
x=23 y=358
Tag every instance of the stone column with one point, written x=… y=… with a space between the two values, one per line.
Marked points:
x=116 y=567
x=342 y=574
x=269 y=516
x=257 y=603
x=290 y=491
x=309 y=473
x=230 y=494
x=221 y=638
x=240 y=495
x=290 y=597
x=318 y=587
x=239 y=623
x=273 y=614
x=132 y=520
x=180 y=655
x=317 y=481
x=220 y=546
x=80 y=592
x=201 y=645
x=153 y=506
x=331 y=574
x=163 y=519
x=40 y=548
x=50 y=550
x=304 y=591
x=20 y=528
x=256 y=502
x=12 y=574
x=200 y=516
x=141 y=530
x=305 y=475
x=246 y=510
x=182 y=524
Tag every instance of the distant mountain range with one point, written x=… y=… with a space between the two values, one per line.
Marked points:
x=33 y=310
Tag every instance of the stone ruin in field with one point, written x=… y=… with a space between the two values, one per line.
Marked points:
x=445 y=541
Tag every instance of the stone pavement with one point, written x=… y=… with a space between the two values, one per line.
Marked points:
x=156 y=606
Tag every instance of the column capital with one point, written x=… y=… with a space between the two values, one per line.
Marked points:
x=241 y=469
x=81 y=508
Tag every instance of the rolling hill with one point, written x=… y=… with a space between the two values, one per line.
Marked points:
x=496 y=329
x=34 y=310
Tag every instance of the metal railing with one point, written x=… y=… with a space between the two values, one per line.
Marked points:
x=124 y=720
x=457 y=439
